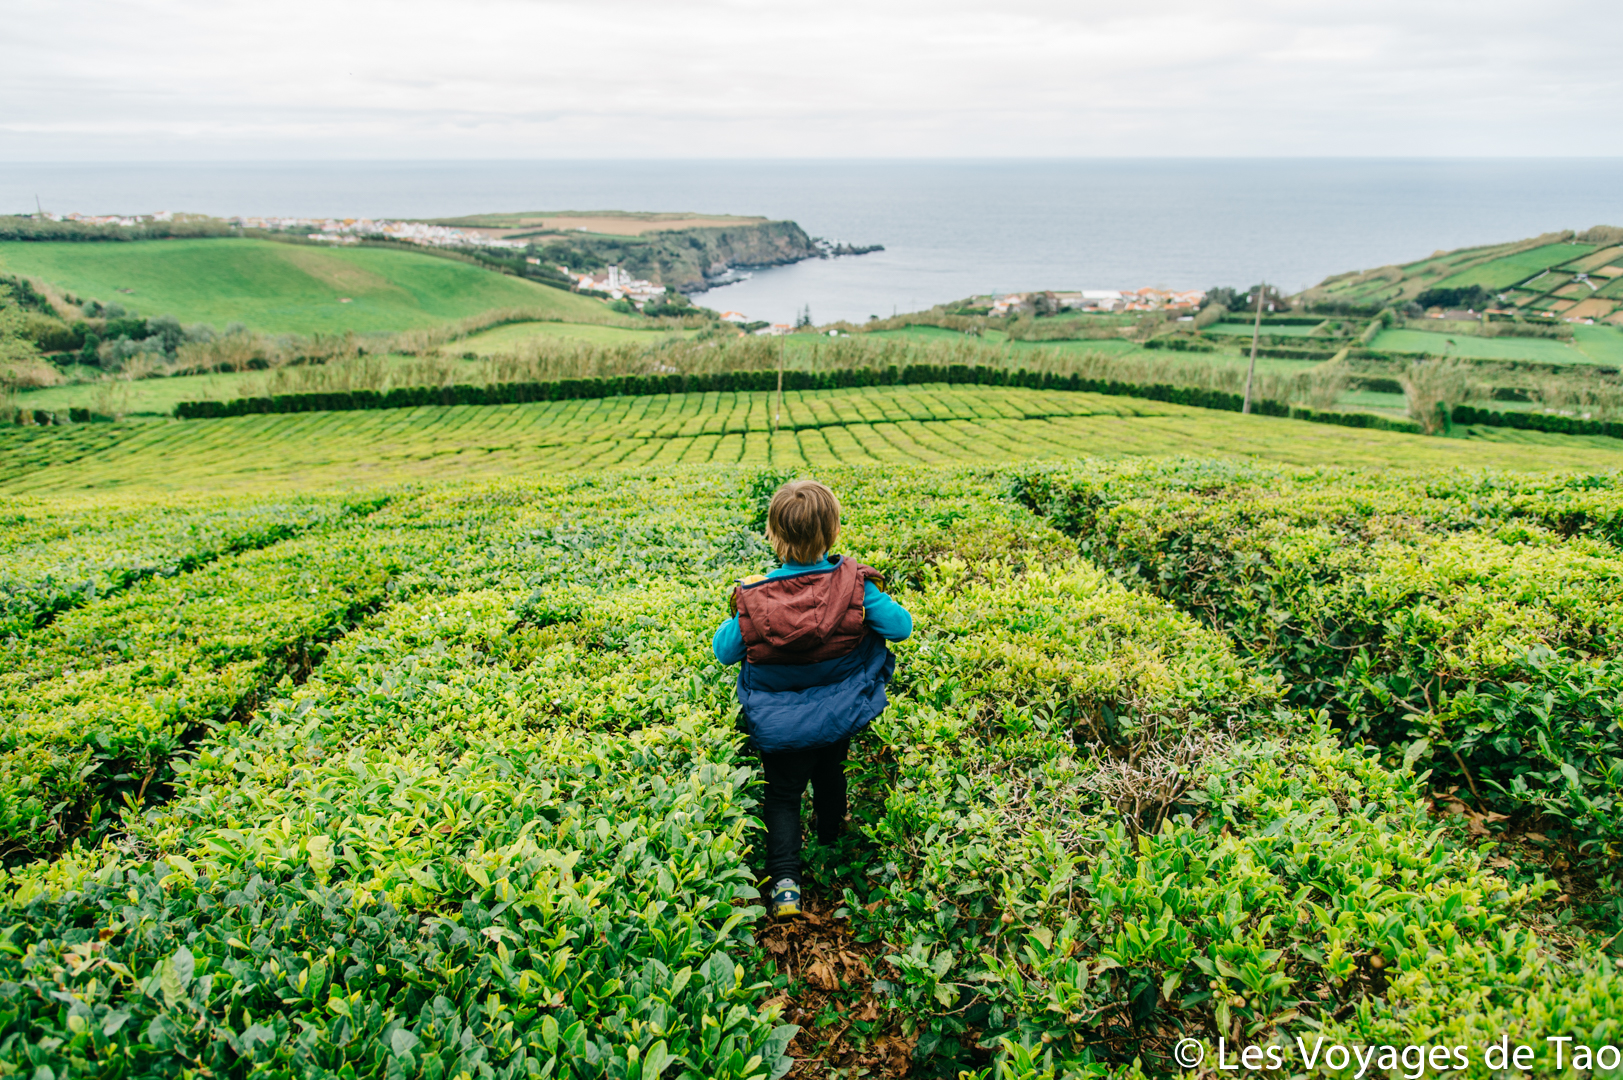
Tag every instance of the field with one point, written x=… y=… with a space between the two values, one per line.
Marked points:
x=1238 y=329
x=1504 y=272
x=998 y=338
x=1602 y=344
x=440 y=779
x=150 y=397
x=1530 y=277
x=286 y=288
x=1538 y=350
x=930 y=424
x=539 y=334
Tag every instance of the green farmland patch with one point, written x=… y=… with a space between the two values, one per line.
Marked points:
x=1602 y=344
x=1540 y=350
x=1597 y=260
x=286 y=288
x=1508 y=270
x=1114 y=346
x=521 y=335
x=1234 y=329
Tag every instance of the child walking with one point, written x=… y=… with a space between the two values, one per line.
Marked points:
x=811 y=636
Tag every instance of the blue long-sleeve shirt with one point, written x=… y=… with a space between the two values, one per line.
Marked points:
x=881 y=614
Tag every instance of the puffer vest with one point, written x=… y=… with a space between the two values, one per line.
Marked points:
x=806 y=618
x=813 y=673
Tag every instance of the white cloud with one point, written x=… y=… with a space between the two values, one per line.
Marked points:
x=96 y=79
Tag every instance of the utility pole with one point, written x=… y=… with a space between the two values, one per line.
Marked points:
x=777 y=417
x=40 y=208
x=1256 y=332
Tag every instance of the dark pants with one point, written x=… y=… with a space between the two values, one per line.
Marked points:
x=786 y=777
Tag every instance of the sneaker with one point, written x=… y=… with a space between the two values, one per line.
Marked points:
x=786 y=899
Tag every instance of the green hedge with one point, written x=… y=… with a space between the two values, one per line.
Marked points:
x=1278 y=353
x=745 y=381
x=1181 y=344
x=719 y=382
x=1531 y=421
x=1098 y=827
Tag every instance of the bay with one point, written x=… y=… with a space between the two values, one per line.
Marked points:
x=950 y=228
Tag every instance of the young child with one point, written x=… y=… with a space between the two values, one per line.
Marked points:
x=811 y=635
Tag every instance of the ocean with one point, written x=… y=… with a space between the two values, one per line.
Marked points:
x=950 y=228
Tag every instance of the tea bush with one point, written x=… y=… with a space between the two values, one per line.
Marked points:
x=1470 y=623
x=453 y=788
x=1102 y=830
x=54 y=561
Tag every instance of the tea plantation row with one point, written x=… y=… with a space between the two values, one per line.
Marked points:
x=1469 y=623
x=930 y=425
x=445 y=782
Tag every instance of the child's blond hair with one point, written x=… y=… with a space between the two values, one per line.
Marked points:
x=802 y=521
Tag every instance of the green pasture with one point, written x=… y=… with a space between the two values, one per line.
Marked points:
x=287 y=288
x=1593 y=262
x=1374 y=401
x=1548 y=282
x=1508 y=270
x=905 y=333
x=935 y=334
x=885 y=425
x=515 y=336
x=1540 y=350
x=1602 y=344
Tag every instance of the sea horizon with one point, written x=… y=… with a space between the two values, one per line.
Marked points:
x=951 y=227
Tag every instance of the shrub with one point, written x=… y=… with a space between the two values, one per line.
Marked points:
x=1474 y=297
x=1425 y=622
x=1432 y=387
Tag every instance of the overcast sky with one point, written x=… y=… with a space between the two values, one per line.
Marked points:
x=225 y=79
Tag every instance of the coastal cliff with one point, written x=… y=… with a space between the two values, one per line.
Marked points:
x=691 y=260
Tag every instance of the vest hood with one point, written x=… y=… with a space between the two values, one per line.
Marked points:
x=805 y=618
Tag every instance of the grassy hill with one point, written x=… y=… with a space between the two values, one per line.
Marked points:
x=1557 y=275
x=286 y=288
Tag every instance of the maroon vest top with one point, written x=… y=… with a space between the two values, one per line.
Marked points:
x=804 y=619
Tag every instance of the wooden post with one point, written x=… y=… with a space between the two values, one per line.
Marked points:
x=777 y=417
x=1256 y=331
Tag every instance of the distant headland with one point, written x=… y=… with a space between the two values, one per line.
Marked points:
x=684 y=252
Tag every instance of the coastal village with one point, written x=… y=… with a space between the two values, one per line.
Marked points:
x=615 y=282
x=353 y=230
x=1102 y=301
